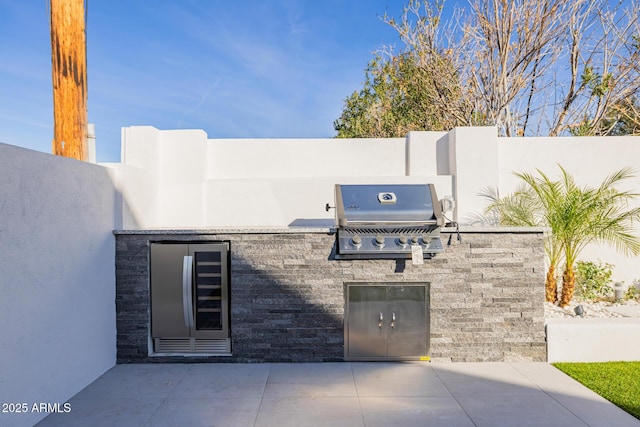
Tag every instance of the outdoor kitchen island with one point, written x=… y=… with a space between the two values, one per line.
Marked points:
x=287 y=294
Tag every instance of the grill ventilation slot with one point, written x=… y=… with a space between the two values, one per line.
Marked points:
x=406 y=230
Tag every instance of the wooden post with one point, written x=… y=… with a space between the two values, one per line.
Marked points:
x=69 y=70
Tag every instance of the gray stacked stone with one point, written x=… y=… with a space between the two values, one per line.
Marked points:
x=287 y=296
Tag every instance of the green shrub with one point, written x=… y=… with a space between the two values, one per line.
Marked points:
x=593 y=280
x=633 y=292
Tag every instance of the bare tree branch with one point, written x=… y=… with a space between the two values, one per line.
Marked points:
x=505 y=63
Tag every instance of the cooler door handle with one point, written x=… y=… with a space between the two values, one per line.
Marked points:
x=187 y=295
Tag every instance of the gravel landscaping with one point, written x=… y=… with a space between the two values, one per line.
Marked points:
x=602 y=309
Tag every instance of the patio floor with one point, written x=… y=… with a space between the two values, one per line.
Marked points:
x=339 y=394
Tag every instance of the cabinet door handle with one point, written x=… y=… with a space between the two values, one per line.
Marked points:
x=380 y=319
x=187 y=293
x=393 y=320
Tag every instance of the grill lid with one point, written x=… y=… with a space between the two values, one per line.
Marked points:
x=393 y=204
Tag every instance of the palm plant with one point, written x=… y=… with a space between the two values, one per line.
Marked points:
x=530 y=206
x=587 y=215
x=577 y=216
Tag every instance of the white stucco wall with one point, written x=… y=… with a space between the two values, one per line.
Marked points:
x=589 y=160
x=284 y=201
x=277 y=158
x=182 y=179
x=138 y=176
x=280 y=181
x=57 y=310
x=592 y=340
x=474 y=163
x=427 y=153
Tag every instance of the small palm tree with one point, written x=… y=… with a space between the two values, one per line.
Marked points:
x=529 y=206
x=577 y=216
x=587 y=215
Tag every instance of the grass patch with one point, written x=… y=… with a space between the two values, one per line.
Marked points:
x=618 y=382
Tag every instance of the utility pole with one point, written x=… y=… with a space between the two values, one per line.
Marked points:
x=69 y=72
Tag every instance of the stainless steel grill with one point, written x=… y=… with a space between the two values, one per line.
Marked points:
x=387 y=221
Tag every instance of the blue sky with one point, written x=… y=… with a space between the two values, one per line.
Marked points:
x=237 y=69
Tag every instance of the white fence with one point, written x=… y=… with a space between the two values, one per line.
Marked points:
x=181 y=179
x=57 y=308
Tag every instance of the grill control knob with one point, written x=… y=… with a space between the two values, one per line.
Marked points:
x=426 y=240
x=414 y=240
x=402 y=240
x=356 y=240
x=379 y=240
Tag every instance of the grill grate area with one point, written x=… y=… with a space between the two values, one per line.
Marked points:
x=388 y=230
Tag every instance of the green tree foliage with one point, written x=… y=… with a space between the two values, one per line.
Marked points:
x=403 y=93
x=622 y=118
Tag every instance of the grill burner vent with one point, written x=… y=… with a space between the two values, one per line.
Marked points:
x=398 y=231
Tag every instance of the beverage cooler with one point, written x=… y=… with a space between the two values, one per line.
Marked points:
x=190 y=298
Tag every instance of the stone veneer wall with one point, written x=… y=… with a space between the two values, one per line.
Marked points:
x=287 y=301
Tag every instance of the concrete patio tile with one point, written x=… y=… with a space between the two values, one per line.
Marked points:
x=554 y=381
x=105 y=412
x=237 y=370
x=507 y=410
x=206 y=412
x=413 y=411
x=394 y=379
x=340 y=394
x=315 y=372
x=137 y=381
x=478 y=379
x=588 y=406
x=310 y=380
x=223 y=381
x=310 y=412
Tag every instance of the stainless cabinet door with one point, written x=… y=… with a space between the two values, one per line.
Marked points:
x=408 y=321
x=167 y=308
x=367 y=323
x=387 y=321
